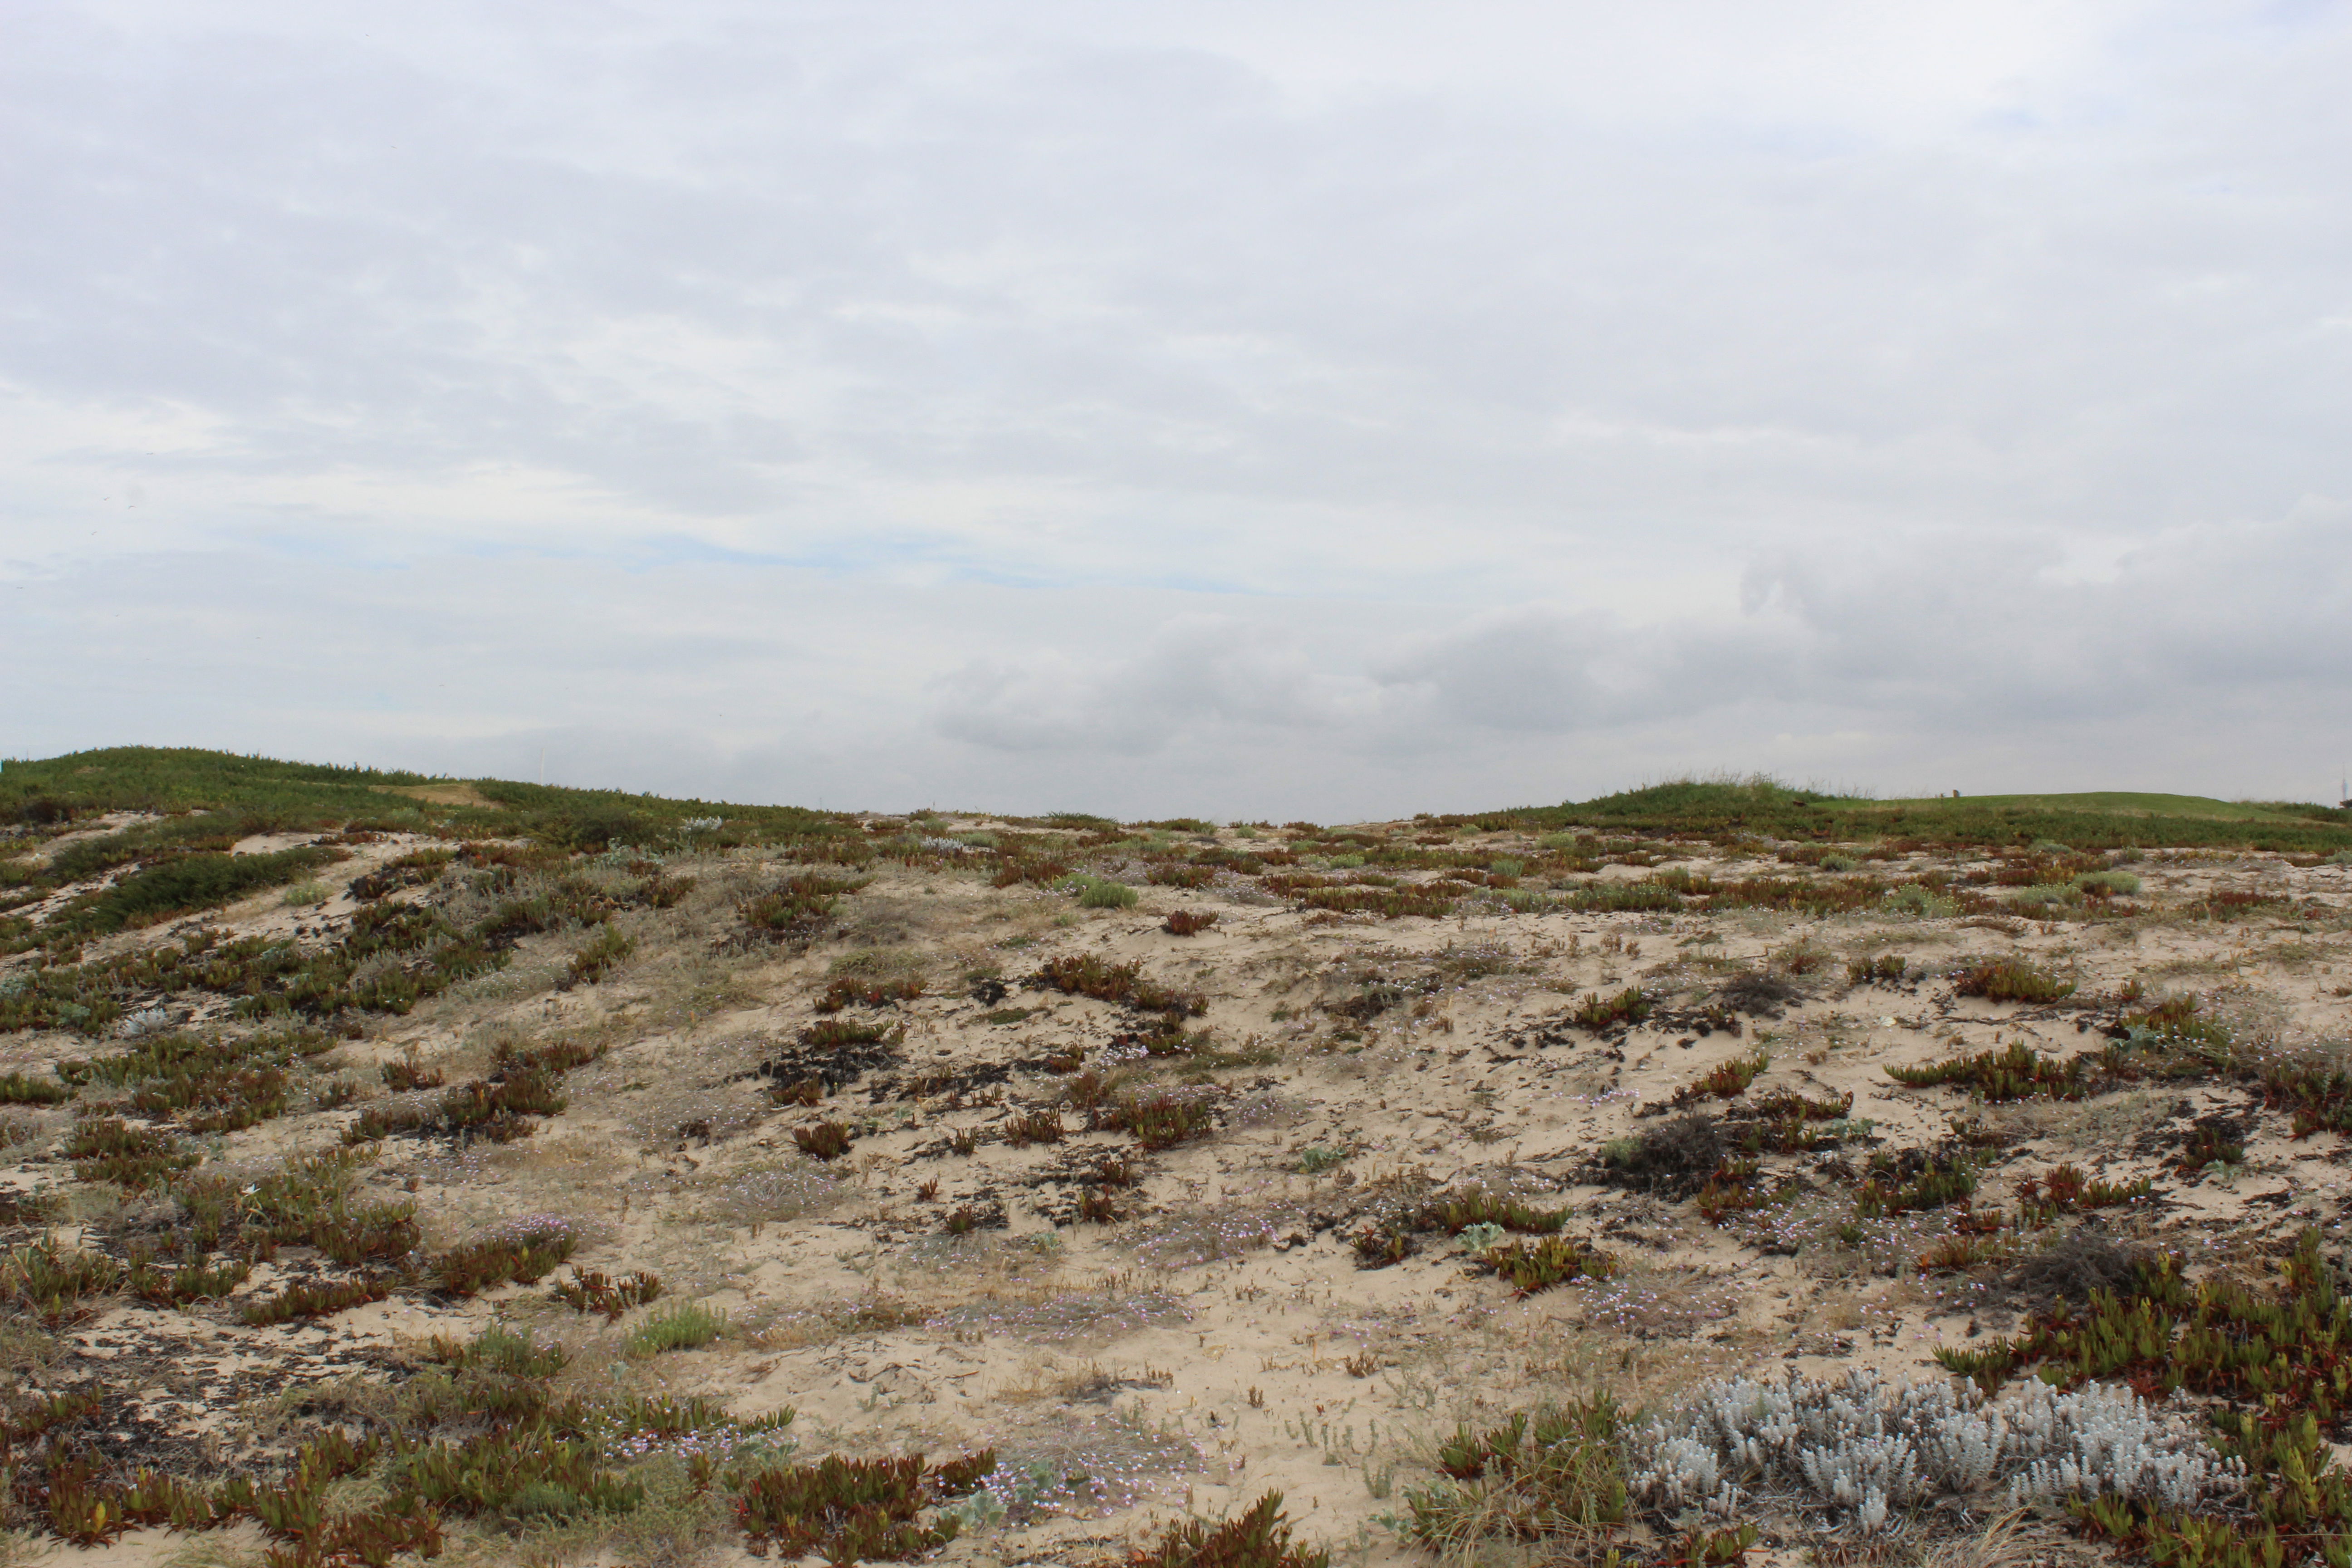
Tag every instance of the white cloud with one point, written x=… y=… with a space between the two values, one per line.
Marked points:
x=1108 y=402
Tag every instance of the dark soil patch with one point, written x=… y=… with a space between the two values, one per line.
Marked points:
x=1675 y=1159
x=1758 y=993
x=2082 y=1261
x=836 y=1066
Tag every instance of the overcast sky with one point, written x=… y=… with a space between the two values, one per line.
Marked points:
x=1281 y=409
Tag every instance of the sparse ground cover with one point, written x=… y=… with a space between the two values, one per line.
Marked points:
x=398 y=1167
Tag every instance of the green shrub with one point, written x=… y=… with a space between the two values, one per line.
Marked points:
x=308 y=895
x=2108 y=883
x=1915 y=901
x=1726 y=1080
x=314 y=1300
x=1458 y=1213
x=602 y=954
x=487 y=1110
x=517 y=1255
x=1033 y=1127
x=687 y=1326
x=1599 y=1013
x=1159 y=1119
x=522 y=1471
x=1259 y=1538
x=54 y=1282
x=1431 y=902
x=188 y=1284
x=1085 y=975
x=855 y=1510
x=1935 y=1184
x=2014 y=1072
x=800 y=907
x=23 y=1088
x=2274 y=1359
x=1553 y=1477
x=1100 y=892
x=1538 y=1265
x=2011 y=979
x=823 y=1139
x=112 y=1149
x=590 y=1291
x=180 y=886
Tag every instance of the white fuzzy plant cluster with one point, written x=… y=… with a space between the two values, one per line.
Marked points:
x=1867 y=1448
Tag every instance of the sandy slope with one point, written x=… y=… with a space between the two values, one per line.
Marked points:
x=1219 y=1337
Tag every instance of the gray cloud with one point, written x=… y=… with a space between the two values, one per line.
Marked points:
x=1106 y=402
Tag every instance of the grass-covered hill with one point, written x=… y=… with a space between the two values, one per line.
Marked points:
x=2101 y=819
x=177 y=816
x=266 y=796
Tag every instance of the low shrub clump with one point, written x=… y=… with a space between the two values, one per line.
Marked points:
x=1033 y=1127
x=1599 y=1014
x=2065 y=1189
x=1454 y=1214
x=2011 y=979
x=688 y=1326
x=523 y=1084
x=1887 y=969
x=108 y=1149
x=837 y=1033
x=23 y=1088
x=1431 y=901
x=851 y=991
x=1555 y=1478
x=800 y=907
x=55 y=1283
x=1259 y=1538
x=185 y=1284
x=1538 y=1265
x=1085 y=974
x=855 y=1510
x=1788 y=1122
x=405 y=1077
x=823 y=1139
x=1677 y=1158
x=312 y=1299
x=2016 y=1072
x=1100 y=892
x=522 y=1254
x=1189 y=923
x=1867 y=1453
x=1727 y=1080
x=1913 y=1182
x=1160 y=1119
x=600 y=956
x=590 y=1291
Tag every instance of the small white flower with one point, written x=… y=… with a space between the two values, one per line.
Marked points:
x=251 y=1189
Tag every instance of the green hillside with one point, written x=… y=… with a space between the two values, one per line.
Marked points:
x=266 y=794
x=2099 y=819
x=177 y=859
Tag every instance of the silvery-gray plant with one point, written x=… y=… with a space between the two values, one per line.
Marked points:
x=1864 y=1447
